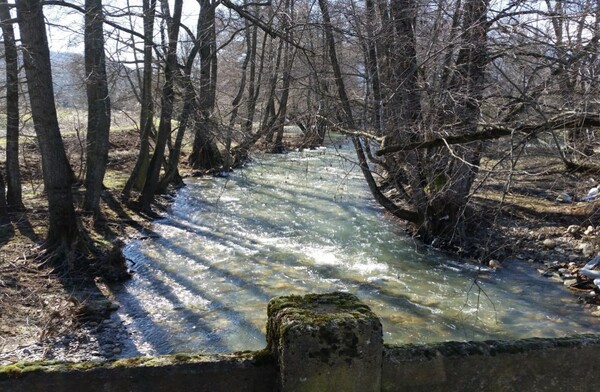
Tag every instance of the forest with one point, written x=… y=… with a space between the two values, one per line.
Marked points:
x=469 y=119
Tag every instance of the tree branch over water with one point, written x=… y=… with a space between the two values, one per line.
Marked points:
x=563 y=121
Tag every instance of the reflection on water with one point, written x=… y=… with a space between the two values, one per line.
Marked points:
x=304 y=223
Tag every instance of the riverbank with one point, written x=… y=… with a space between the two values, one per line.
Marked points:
x=45 y=318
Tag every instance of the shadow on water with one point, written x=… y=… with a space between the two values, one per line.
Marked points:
x=386 y=296
x=215 y=266
x=206 y=332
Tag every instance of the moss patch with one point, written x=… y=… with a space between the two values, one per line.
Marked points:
x=330 y=319
x=412 y=352
x=259 y=358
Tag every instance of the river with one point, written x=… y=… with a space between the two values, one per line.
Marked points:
x=305 y=222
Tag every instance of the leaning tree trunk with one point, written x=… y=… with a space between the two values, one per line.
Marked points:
x=62 y=222
x=138 y=174
x=189 y=106
x=166 y=115
x=407 y=215
x=97 y=143
x=14 y=198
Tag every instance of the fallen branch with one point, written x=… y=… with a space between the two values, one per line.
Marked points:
x=563 y=121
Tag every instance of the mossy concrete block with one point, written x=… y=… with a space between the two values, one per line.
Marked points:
x=325 y=342
x=551 y=364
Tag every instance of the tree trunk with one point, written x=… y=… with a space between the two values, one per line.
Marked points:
x=62 y=222
x=3 y=209
x=206 y=98
x=286 y=75
x=97 y=143
x=254 y=82
x=373 y=67
x=237 y=100
x=410 y=216
x=167 y=100
x=406 y=172
x=270 y=115
x=189 y=108
x=240 y=152
x=466 y=90
x=14 y=198
x=208 y=157
x=138 y=175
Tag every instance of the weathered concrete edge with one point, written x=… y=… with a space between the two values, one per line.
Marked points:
x=403 y=353
x=238 y=359
x=536 y=364
x=416 y=352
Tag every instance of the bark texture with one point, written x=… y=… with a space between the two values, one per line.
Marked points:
x=62 y=222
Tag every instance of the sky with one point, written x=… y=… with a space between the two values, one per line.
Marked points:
x=65 y=31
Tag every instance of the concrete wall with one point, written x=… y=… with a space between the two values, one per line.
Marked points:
x=567 y=364
x=292 y=363
x=254 y=371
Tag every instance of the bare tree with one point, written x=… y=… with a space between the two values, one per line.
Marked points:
x=97 y=143
x=139 y=172
x=14 y=198
x=167 y=101
x=63 y=233
x=205 y=154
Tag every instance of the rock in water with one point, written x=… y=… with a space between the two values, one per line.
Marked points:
x=495 y=264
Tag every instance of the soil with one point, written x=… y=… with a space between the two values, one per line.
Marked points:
x=46 y=315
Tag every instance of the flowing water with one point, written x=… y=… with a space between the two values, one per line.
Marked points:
x=305 y=222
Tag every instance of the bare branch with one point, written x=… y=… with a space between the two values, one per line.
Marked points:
x=562 y=121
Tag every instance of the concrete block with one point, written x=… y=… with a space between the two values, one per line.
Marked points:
x=325 y=342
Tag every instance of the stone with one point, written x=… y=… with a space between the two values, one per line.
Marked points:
x=549 y=243
x=564 y=197
x=495 y=264
x=573 y=229
x=556 y=277
x=589 y=230
x=586 y=249
x=569 y=282
x=572 y=257
x=325 y=342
